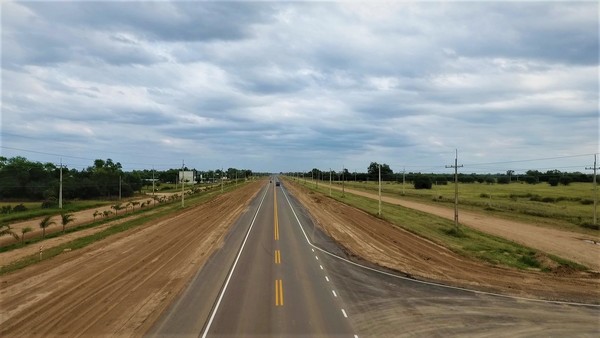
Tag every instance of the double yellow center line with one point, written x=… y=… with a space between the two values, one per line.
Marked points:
x=278 y=292
x=276 y=221
x=277 y=257
x=278 y=282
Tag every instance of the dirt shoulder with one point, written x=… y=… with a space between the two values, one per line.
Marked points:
x=120 y=285
x=390 y=246
x=580 y=248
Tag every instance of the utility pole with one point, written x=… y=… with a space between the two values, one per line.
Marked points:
x=119 y=187
x=60 y=190
x=319 y=176
x=343 y=179
x=379 y=212
x=221 y=180
x=182 y=183
x=329 y=182
x=403 y=180
x=455 y=166
x=595 y=167
x=153 y=199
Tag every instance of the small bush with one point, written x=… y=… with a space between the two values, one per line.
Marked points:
x=590 y=226
x=586 y=201
x=535 y=198
x=548 y=200
x=454 y=232
x=503 y=180
x=484 y=195
x=19 y=208
x=553 y=181
x=530 y=260
x=422 y=182
x=6 y=209
x=565 y=180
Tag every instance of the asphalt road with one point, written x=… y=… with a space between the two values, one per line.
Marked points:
x=279 y=284
x=277 y=287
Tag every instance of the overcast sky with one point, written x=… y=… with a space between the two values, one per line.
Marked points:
x=292 y=86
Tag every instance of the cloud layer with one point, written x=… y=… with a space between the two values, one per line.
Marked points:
x=292 y=86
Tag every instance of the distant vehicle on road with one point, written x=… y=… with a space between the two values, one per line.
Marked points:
x=277 y=183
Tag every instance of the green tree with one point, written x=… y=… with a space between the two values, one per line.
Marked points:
x=23 y=232
x=117 y=207
x=373 y=171
x=44 y=223
x=66 y=219
x=5 y=229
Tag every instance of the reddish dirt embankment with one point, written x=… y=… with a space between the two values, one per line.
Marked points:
x=119 y=286
x=387 y=245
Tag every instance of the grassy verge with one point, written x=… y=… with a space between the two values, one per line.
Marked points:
x=562 y=207
x=464 y=241
x=145 y=216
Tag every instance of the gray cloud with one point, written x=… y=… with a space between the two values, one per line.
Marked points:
x=282 y=86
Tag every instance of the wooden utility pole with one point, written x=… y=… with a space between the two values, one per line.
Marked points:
x=455 y=166
x=595 y=167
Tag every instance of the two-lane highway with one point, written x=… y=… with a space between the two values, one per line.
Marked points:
x=277 y=274
x=275 y=285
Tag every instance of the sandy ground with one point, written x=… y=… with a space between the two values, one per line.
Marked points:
x=80 y=217
x=580 y=248
x=387 y=245
x=118 y=286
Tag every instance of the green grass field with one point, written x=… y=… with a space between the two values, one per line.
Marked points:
x=466 y=242
x=564 y=207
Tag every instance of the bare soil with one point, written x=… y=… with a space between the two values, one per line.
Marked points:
x=390 y=246
x=120 y=285
x=580 y=248
x=79 y=218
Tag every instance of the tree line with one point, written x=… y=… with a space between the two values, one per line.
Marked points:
x=426 y=180
x=21 y=179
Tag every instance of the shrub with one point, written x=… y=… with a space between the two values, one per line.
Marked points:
x=503 y=180
x=422 y=182
x=531 y=179
x=484 y=195
x=586 y=201
x=553 y=181
x=548 y=200
x=565 y=180
x=6 y=209
x=20 y=207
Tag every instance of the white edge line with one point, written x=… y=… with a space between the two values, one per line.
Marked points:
x=430 y=283
x=214 y=312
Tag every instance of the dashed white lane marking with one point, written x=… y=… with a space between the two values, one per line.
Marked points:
x=355 y=336
x=327 y=278
x=312 y=249
x=321 y=266
x=317 y=257
x=344 y=312
x=334 y=294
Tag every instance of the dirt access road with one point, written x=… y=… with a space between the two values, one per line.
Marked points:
x=574 y=246
x=118 y=286
x=79 y=218
x=384 y=244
